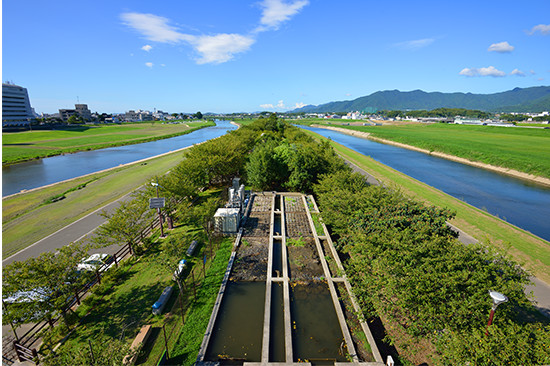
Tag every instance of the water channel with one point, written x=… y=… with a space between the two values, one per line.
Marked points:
x=41 y=172
x=518 y=202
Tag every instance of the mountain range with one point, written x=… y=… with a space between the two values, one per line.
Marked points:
x=533 y=99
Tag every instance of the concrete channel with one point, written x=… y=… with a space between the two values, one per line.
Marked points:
x=300 y=299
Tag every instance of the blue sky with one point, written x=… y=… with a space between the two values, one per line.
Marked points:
x=245 y=56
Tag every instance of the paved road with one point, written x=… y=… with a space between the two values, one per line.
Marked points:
x=76 y=231
x=539 y=288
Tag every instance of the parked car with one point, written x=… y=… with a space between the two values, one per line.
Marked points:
x=98 y=261
x=179 y=271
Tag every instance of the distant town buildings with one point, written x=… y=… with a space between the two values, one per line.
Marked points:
x=138 y=116
x=80 y=110
x=16 y=107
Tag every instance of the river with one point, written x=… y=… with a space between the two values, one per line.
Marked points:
x=521 y=203
x=41 y=172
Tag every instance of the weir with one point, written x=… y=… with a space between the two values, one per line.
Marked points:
x=279 y=301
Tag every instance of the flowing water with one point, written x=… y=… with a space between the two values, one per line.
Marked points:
x=524 y=204
x=41 y=172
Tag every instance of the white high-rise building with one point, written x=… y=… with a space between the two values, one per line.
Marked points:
x=16 y=107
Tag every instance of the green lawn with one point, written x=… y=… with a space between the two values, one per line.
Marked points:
x=21 y=146
x=121 y=305
x=532 y=252
x=523 y=149
x=26 y=219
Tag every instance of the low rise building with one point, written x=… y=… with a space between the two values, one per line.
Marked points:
x=80 y=110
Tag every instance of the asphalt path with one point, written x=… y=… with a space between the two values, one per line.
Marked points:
x=80 y=230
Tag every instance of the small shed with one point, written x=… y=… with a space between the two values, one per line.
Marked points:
x=226 y=220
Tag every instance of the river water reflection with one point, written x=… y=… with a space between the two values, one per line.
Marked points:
x=518 y=202
x=38 y=173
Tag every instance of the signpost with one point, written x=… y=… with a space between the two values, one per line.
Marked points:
x=157 y=203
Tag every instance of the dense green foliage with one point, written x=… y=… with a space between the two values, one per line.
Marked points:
x=535 y=99
x=407 y=267
x=288 y=159
x=522 y=149
x=522 y=117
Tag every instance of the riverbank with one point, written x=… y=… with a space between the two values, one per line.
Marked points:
x=26 y=218
x=530 y=250
x=32 y=145
x=506 y=171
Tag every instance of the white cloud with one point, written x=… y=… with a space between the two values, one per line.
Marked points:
x=542 y=28
x=217 y=48
x=276 y=12
x=149 y=64
x=299 y=105
x=532 y=72
x=266 y=106
x=221 y=47
x=483 y=71
x=212 y=49
x=415 y=44
x=153 y=27
x=501 y=47
x=517 y=72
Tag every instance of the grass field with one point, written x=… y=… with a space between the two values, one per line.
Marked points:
x=27 y=218
x=523 y=149
x=532 y=252
x=21 y=146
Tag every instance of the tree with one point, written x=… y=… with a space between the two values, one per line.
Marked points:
x=74 y=119
x=124 y=224
x=202 y=215
x=43 y=285
x=266 y=167
x=198 y=115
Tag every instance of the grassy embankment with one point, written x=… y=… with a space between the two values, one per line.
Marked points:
x=122 y=304
x=531 y=252
x=522 y=149
x=27 y=217
x=28 y=145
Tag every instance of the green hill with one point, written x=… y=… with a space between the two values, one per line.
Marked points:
x=534 y=99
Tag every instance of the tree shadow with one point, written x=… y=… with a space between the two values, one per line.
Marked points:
x=379 y=333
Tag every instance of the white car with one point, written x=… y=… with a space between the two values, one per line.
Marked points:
x=95 y=261
x=181 y=265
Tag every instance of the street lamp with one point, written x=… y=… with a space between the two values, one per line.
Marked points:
x=498 y=299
